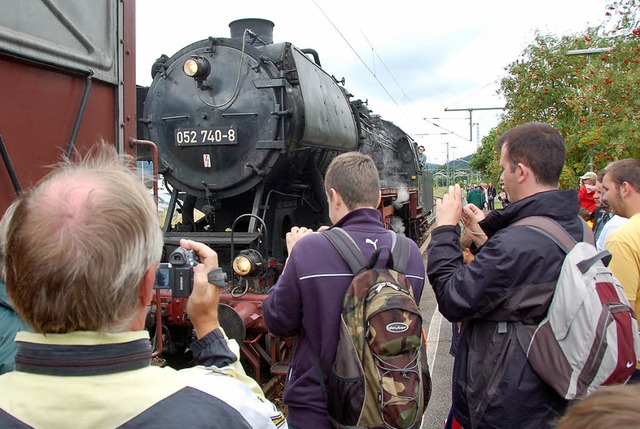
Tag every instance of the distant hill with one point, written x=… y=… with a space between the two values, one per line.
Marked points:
x=431 y=166
x=459 y=163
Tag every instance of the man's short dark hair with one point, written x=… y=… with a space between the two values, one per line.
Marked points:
x=355 y=176
x=537 y=145
x=624 y=170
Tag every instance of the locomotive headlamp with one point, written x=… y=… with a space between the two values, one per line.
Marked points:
x=197 y=67
x=248 y=263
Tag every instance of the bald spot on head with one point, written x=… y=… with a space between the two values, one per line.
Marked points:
x=69 y=196
x=79 y=245
x=69 y=201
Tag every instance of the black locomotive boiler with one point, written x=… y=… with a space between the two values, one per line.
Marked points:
x=245 y=129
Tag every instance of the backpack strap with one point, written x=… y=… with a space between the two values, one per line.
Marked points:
x=556 y=232
x=351 y=253
x=401 y=250
x=552 y=229
x=347 y=248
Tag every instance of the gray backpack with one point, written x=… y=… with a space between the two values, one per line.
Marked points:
x=589 y=337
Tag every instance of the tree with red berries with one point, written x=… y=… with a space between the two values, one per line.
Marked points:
x=592 y=98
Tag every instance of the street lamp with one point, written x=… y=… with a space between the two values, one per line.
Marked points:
x=588 y=53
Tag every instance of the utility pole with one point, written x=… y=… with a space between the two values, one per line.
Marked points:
x=453 y=155
x=470 y=110
x=448 y=166
x=588 y=53
x=477 y=134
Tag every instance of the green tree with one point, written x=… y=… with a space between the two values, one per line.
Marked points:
x=592 y=99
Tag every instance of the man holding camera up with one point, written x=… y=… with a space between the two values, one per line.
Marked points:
x=307 y=300
x=82 y=250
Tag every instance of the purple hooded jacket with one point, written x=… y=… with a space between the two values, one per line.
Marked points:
x=307 y=302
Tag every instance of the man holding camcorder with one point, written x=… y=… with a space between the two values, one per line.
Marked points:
x=82 y=251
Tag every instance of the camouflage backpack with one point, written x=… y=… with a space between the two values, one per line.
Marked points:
x=380 y=377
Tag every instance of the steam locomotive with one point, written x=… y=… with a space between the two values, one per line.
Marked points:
x=245 y=129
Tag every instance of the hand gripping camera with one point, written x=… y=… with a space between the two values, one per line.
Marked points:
x=177 y=274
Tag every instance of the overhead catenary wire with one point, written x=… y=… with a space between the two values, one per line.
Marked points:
x=443 y=128
x=386 y=68
x=375 y=76
x=356 y=54
x=473 y=92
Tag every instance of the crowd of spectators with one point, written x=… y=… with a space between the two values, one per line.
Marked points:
x=485 y=277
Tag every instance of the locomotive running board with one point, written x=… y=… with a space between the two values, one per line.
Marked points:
x=215 y=238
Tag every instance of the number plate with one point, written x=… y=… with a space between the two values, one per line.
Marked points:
x=206 y=136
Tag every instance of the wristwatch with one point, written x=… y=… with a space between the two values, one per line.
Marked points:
x=217 y=277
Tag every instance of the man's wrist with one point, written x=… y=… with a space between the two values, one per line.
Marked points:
x=446 y=228
x=213 y=350
x=204 y=328
x=445 y=222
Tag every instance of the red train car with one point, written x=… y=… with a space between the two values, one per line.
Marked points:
x=67 y=79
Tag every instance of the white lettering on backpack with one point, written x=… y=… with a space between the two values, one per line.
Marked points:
x=397 y=327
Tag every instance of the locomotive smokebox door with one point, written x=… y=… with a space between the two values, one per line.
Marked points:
x=209 y=129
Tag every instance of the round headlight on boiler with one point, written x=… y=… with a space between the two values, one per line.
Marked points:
x=249 y=262
x=197 y=67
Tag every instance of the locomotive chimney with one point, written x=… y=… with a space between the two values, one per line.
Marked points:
x=263 y=28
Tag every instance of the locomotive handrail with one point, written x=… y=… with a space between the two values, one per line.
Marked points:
x=9 y=166
x=154 y=147
x=314 y=54
x=237 y=85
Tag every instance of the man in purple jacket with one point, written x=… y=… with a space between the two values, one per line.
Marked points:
x=307 y=300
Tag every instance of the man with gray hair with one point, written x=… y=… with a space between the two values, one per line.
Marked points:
x=82 y=250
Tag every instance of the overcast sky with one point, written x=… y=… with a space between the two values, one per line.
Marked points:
x=426 y=55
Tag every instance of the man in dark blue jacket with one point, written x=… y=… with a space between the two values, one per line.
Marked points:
x=511 y=279
x=307 y=300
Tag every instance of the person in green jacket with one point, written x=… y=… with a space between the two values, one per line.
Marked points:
x=476 y=197
x=10 y=322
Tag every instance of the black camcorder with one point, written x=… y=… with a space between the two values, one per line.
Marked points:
x=177 y=274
